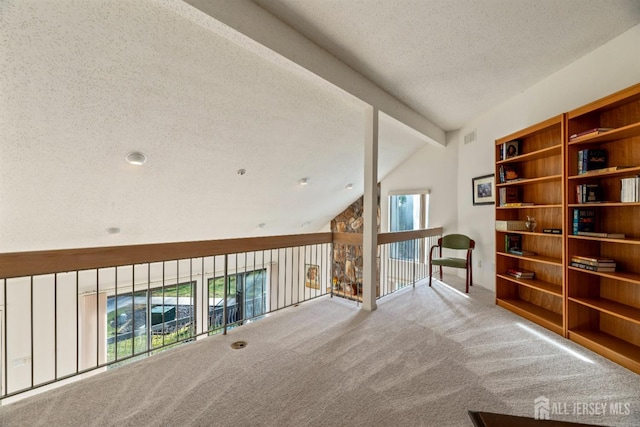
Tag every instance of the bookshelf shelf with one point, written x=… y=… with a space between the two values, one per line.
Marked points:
x=603 y=204
x=539 y=285
x=622 y=276
x=534 y=258
x=613 y=135
x=529 y=233
x=552 y=151
x=537 y=314
x=626 y=171
x=626 y=241
x=613 y=308
x=530 y=207
x=611 y=347
x=531 y=180
x=602 y=309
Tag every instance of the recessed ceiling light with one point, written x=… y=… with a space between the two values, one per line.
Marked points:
x=304 y=181
x=113 y=230
x=136 y=158
x=349 y=187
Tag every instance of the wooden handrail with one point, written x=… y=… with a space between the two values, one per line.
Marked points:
x=401 y=236
x=384 y=238
x=20 y=264
x=347 y=238
x=23 y=264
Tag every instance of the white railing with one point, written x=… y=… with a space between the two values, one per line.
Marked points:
x=404 y=258
x=65 y=313
x=69 y=312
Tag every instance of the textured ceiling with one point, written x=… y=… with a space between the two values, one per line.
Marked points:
x=84 y=83
x=451 y=60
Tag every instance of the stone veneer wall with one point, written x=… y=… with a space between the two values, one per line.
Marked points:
x=347 y=259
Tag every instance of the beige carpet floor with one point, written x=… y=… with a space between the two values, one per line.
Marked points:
x=423 y=358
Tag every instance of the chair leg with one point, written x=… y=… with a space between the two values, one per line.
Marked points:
x=467 y=281
x=441 y=273
x=430 y=273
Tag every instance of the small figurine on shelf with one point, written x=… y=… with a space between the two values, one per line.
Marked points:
x=531 y=223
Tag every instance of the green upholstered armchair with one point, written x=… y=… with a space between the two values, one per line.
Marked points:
x=458 y=242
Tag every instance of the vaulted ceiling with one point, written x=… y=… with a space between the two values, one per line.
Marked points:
x=204 y=92
x=451 y=60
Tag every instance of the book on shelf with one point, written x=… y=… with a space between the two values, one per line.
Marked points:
x=580 y=160
x=594 y=159
x=521 y=252
x=604 y=170
x=591 y=159
x=509 y=195
x=584 y=220
x=508 y=225
x=517 y=204
x=597 y=234
x=510 y=149
x=630 y=190
x=589 y=132
x=592 y=258
x=588 y=193
x=508 y=173
x=513 y=245
x=512 y=242
x=520 y=273
x=552 y=230
x=603 y=263
x=593 y=267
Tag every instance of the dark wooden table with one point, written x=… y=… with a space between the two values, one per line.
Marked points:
x=490 y=419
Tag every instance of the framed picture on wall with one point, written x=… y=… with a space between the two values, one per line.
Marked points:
x=484 y=189
x=312 y=276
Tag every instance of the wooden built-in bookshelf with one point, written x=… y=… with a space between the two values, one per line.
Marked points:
x=541 y=175
x=603 y=308
x=597 y=309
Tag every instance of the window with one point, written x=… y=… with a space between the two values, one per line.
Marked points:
x=246 y=297
x=408 y=212
x=169 y=310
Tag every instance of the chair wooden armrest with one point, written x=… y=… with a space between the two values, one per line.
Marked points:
x=457 y=242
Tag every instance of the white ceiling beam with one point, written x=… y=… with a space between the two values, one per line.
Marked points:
x=257 y=24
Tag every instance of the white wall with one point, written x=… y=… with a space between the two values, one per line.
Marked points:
x=612 y=67
x=432 y=167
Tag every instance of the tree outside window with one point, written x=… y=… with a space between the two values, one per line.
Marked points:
x=407 y=212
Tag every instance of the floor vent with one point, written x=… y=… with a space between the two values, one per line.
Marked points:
x=238 y=345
